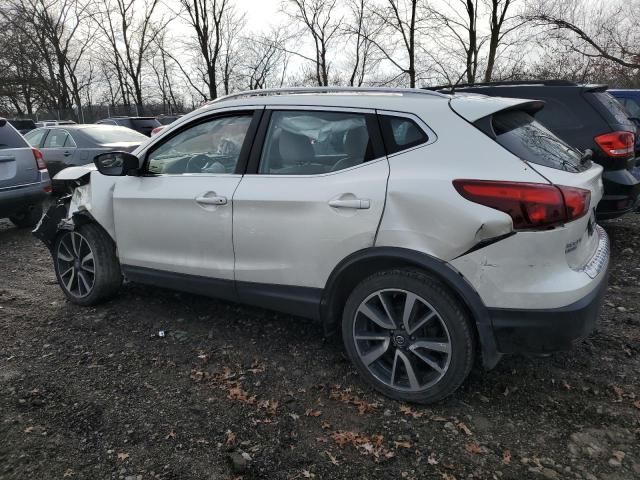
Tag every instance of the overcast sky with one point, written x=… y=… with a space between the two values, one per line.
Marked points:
x=260 y=13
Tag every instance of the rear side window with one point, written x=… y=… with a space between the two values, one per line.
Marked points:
x=145 y=122
x=57 y=139
x=632 y=106
x=522 y=135
x=10 y=138
x=315 y=142
x=401 y=133
x=559 y=116
x=34 y=137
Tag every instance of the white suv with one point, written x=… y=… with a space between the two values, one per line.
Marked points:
x=425 y=228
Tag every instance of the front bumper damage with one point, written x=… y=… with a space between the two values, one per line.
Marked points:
x=55 y=219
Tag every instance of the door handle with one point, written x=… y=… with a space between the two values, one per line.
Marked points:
x=356 y=203
x=67 y=154
x=213 y=200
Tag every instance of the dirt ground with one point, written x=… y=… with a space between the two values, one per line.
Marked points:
x=234 y=392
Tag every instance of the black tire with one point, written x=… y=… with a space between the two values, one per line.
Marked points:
x=107 y=277
x=27 y=218
x=451 y=318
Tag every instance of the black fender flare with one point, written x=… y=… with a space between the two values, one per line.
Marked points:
x=365 y=262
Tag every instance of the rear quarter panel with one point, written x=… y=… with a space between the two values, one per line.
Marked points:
x=424 y=212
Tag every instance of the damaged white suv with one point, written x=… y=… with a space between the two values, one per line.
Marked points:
x=425 y=228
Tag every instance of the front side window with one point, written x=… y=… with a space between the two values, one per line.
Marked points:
x=315 y=142
x=522 y=135
x=210 y=147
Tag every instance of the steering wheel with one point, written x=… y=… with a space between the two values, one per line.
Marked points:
x=197 y=163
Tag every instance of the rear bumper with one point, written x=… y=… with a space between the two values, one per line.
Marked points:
x=621 y=191
x=17 y=199
x=547 y=330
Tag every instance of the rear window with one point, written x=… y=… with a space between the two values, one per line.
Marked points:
x=23 y=124
x=613 y=106
x=10 y=138
x=111 y=134
x=522 y=135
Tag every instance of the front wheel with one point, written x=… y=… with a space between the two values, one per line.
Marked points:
x=86 y=265
x=408 y=336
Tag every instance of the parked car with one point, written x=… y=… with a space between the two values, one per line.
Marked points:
x=157 y=130
x=54 y=123
x=630 y=100
x=143 y=125
x=586 y=117
x=388 y=214
x=168 y=119
x=72 y=145
x=24 y=180
x=23 y=125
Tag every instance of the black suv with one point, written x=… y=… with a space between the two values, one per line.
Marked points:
x=586 y=117
x=143 y=125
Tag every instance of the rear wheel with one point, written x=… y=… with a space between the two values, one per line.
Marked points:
x=86 y=265
x=28 y=217
x=408 y=336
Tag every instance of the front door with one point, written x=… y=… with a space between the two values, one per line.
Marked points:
x=176 y=218
x=316 y=194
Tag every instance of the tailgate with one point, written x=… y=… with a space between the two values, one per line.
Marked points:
x=17 y=167
x=581 y=238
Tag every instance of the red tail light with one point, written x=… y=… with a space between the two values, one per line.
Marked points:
x=530 y=205
x=617 y=144
x=157 y=130
x=37 y=154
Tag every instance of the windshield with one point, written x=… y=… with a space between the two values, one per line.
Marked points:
x=522 y=135
x=105 y=134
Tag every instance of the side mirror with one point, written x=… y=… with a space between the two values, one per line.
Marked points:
x=117 y=164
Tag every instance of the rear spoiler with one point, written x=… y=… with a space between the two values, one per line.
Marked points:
x=473 y=107
x=595 y=88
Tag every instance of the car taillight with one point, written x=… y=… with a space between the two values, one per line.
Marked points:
x=617 y=144
x=530 y=205
x=37 y=154
x=156 y=130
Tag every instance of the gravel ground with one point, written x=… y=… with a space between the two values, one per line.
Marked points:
x=235 y=392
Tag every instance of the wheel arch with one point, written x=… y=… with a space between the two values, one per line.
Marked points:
x=363 y=263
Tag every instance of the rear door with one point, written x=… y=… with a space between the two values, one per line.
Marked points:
x=313 y=194
x=58 y=150
x=17 y=162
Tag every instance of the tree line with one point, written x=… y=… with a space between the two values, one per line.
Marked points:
x=58 y=55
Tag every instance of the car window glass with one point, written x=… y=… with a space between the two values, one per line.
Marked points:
x=56 y=139
x=613 y=106
x=311 y=143
x=211 y=147
x=522 y=135
x=632 y=106
x=35 y=137
x=401 y=133
x=10 y=138
x=557 y=115
x=69 y=142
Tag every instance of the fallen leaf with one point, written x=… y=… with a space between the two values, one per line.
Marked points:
x=637 y=404
x=618 y=391
x=618 y=455
x=402 y=444
x=68 y=473
x=473 y=448
x=307 y=474
x=566 y=385
x=231 y=438
x=171 y=434
x=506 y=457
x=312 y=413
x=237 y=393
x=295 y=416
x=29 y=429
x=409 y=412
x=446 y=476
x=332 y=459
x=463 y=428
x=432 y=459
x=123 y=456
x=327 y=425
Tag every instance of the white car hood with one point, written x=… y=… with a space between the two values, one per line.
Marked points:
x=74 y=173
x=473 y=107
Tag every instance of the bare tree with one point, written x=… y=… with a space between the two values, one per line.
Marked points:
x=131 y=30
x=265 y=59
x=362 y=29
x=500 y=25
x=319 y=20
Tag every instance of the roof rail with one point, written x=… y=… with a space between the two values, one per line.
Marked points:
x=309 y=90
x=550 y=83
